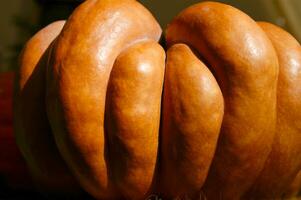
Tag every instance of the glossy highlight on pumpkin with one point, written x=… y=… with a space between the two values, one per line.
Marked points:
x=101 y=105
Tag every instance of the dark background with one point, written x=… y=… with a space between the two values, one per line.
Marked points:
x=20 y=19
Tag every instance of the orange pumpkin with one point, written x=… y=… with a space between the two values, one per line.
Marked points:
x=97 y=106
x=295 y=187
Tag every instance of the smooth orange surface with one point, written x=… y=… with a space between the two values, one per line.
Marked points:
x=133 y=118
x=32 y=129
x=82 y=59
x=193 y=109
x=245 y=65
x=284 y=162
x=100 y=107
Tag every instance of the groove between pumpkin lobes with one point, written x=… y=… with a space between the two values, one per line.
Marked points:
x=106 y=123
x=32 y=129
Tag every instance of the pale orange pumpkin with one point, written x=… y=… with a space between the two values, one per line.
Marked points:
x=93 y=93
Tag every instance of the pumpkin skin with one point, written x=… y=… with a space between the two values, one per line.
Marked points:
x=192 y=115
x=295 y=187
x=245 y=65
x=137 y=71
x=101 y=82
x=33 y=132
x=284 y=161
x=77 y=85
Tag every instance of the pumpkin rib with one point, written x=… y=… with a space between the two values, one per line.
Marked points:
x=245 y=65
x=88 y=111
x=192 y=116
x=82 y=59
x=284 y=161
x=32 y=129
x=133 y=107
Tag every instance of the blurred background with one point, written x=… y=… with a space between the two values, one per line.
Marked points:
x=20 y=19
